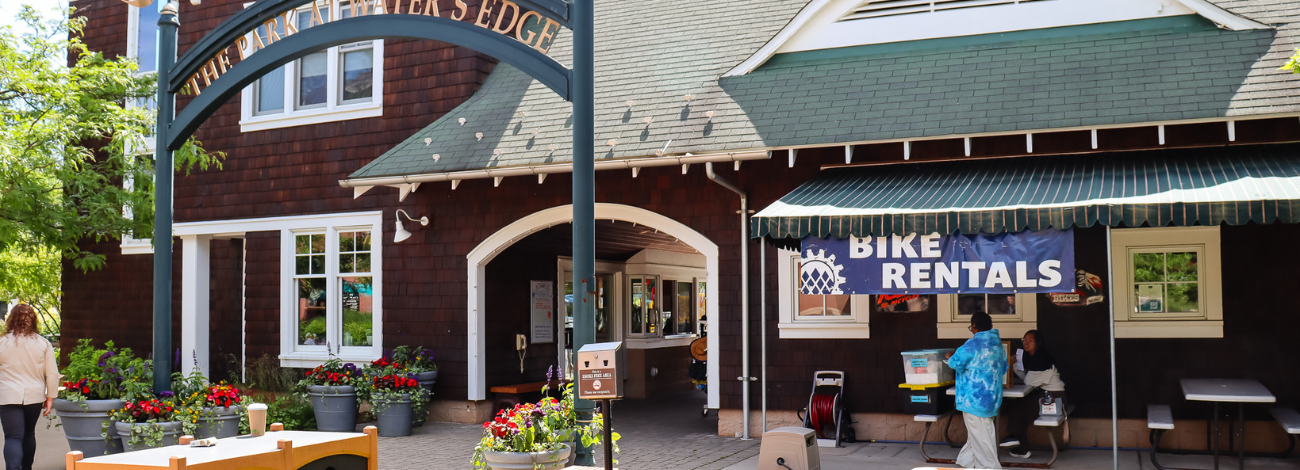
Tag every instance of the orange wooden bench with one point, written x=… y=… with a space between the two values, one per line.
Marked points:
x=507 y=396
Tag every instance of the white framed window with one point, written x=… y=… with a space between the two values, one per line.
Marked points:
x=335 y=84
x=142 y=47
x=1168 y=282
x=817 y=316
x=1013 y=314
x=331 y=292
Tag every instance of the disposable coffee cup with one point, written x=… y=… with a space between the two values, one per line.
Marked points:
x=257 y=418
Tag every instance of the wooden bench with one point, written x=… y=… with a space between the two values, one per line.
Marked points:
x=507 y=396
x=1159 y=419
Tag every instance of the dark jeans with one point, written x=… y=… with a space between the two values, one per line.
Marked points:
x=1023 y=411
x=19 y=423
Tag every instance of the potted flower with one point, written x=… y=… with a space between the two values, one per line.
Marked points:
x=331 y=388
x=392 y=398
x=94 y=384
x=536 y=435
x=413 y=363
x=146 y=424
x=418 y=361
x=207 y=410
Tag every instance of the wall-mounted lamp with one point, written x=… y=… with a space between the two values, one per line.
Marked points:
x=401 y=233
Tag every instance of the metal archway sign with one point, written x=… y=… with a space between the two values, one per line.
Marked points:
x=210 y=63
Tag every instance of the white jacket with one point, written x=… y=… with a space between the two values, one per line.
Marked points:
x=29 y=372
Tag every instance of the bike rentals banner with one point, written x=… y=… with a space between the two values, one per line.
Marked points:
x=1024 y=262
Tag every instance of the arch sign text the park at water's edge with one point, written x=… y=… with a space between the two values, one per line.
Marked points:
x=506 y=17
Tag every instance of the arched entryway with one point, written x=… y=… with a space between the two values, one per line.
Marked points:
x=482 y=254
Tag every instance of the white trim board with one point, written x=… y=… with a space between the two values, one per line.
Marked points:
x=493 y=245
x=238 y=227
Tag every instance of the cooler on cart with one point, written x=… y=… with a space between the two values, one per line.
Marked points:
x=927 y=377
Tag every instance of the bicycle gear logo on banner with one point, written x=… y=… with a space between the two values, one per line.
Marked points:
x=820 y=275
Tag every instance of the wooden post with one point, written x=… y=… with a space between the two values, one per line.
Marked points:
x=177 y=463
x=372 y=460
x=185 y=440
x=277 y=427
x=286 y=448
x=70 y=460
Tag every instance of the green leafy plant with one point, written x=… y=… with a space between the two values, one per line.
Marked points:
x=547 y=425
x=104 y=373
x=291 y=410
x=196 y=399
x=67 y=143
x=152 y=413
x=413 y=359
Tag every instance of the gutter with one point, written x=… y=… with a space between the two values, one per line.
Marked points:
x=744 y=295
x=634 y=164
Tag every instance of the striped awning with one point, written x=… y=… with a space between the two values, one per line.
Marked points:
x=1233 y=185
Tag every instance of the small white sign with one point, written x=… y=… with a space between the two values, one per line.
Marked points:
x=542 y=300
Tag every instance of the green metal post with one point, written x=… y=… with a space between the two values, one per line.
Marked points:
x=582 y=93
x=162 y=203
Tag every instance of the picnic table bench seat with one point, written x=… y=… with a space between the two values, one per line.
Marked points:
x=1160 y=418
x=1288 y=418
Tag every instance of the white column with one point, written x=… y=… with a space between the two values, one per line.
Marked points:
x=195 y=274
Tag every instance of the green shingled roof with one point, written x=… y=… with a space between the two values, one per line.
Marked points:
x=653 y=53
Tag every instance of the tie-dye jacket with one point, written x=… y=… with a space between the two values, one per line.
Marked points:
x=980 y=365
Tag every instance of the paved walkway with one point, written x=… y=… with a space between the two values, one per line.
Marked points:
x=667 y=433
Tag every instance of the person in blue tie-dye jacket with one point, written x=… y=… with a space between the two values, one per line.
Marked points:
x=980 y=365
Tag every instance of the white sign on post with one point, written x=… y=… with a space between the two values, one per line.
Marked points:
x=542 y=313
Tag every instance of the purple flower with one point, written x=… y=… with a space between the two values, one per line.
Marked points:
x=104 y=357
x=112 y=370
x=177 y=361
x=131 y=370
x=166 y=394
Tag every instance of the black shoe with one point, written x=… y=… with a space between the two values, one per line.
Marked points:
x=1020 y=452
x=1010 y=441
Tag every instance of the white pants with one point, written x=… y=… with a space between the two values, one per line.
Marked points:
x=981 y=449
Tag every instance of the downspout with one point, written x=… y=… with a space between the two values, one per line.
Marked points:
x=762 y=324
x=744 y=295
x=1114 y=398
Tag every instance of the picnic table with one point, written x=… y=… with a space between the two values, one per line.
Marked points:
x=1216 y=391
x=1015 y=391
x=275 y=450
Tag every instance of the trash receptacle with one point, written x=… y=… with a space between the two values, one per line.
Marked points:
x=789 y=448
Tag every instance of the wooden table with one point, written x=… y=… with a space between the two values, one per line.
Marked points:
x=1239 y=391
x=276 y=450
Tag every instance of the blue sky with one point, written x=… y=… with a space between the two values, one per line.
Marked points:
x=9 y=9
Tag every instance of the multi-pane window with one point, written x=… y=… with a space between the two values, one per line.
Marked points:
x=992 y=304
x=342 y=301
x=1166 y=282
x=644 y=307
x=356 y=287
x=817 y=306
x=341 y=82
x=312 y=284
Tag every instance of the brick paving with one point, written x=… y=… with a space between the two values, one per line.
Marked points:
x=657 y=434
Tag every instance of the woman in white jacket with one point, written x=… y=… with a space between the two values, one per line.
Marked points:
x=29 y=381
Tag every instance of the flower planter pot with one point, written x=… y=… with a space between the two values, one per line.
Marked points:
x=555 y=459
x=335 y=407
x=393 y=415
x=427 y=379
x=220 y=422
x=171 y=431
x=83 y=425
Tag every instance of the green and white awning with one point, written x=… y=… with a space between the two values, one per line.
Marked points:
x=1232 y=185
